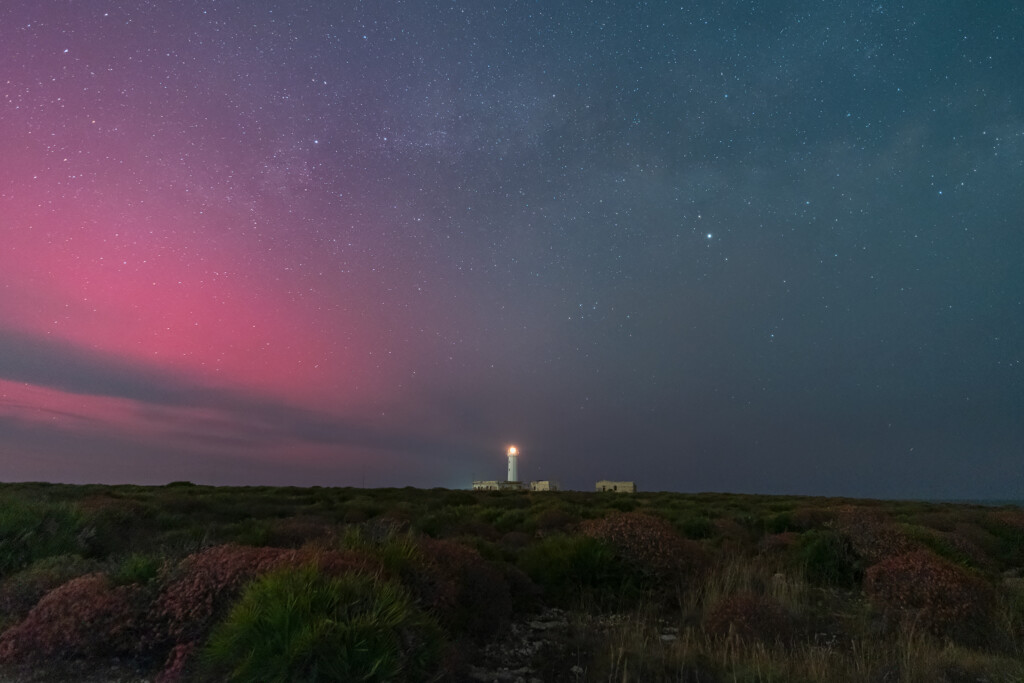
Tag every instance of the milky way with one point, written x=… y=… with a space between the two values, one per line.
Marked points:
x=703 y=246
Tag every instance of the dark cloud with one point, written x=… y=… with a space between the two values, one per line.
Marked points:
x=62 y=365
x=238 y=419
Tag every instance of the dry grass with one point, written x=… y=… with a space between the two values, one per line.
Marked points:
x=635 y=651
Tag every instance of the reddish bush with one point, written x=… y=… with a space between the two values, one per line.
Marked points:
x=940 y=520
x=553 y=518
x=959 y=547
x=515 y=540
x=780 y=543
x=176 y=665
x=20 y=592
x=293 y=532
x=1011 y=518
x=477 y=528
x=204 y=584
x=469 y=595
x=202 y=587
x=943 y=597
x=84 y=617
x=974 y=539
x=649 y=544
x=750 y=617
x=872 y=536
x=732 y=532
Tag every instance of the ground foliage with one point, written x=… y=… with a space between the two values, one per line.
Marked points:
x=660 y=586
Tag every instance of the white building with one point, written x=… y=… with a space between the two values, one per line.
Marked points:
x=616 y=486
x=545 y=485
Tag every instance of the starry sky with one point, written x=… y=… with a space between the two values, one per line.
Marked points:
x=730 y=246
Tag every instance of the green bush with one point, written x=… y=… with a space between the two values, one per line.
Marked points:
x=297 y=624
x=254 y=532
x=568 y=566
x=622 y=502
x=397 y=552
x=780 y=523
x=828 y=559
x=456 y=498
x=136 y=568
x=30 y=531
x=698 y=528
x=511 y=520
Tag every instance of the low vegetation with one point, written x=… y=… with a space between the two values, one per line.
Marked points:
x=186 y=582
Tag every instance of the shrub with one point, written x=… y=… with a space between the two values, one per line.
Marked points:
x=202 y=586
x=296 y=531
x=1007 y=530
x=698 y=528
x=253 y=532
x=87 y=616
x=946 y=599
x=828 y=559
x=956 y=548
x=455 y=498
x=110 y=524
x=806 y=518
x=199 y=590
x=31 y=531
x=469 y=595
x=364 y=507
x=734 y=536
x=136 y=568
x=442 y=522
x=568 y=566
x=396 y=551
x=779 y=543
x=514 y=541
x=511 y=520
x=779 y=523
x=751 y=618
x=622 y=503
x=298 y=624
x=552 y=518
x=20 y=592
x=871 y=535
x=650 y=545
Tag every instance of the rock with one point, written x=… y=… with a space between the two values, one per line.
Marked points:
x=548 y=625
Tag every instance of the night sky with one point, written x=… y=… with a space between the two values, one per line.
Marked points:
x=730 y=246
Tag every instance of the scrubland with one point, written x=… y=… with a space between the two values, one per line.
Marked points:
x=196 y=583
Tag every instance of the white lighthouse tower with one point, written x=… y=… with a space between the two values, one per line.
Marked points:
x=513 y=469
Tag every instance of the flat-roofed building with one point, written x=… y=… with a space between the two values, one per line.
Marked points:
x=491 y=485
x=616 y=486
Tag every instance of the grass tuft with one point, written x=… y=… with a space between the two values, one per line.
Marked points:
x=297 y=624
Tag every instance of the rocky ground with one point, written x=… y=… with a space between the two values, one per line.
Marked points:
x=546 y=648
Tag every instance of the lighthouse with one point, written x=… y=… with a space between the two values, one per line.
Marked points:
x=512 y=483
x=513 y=469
